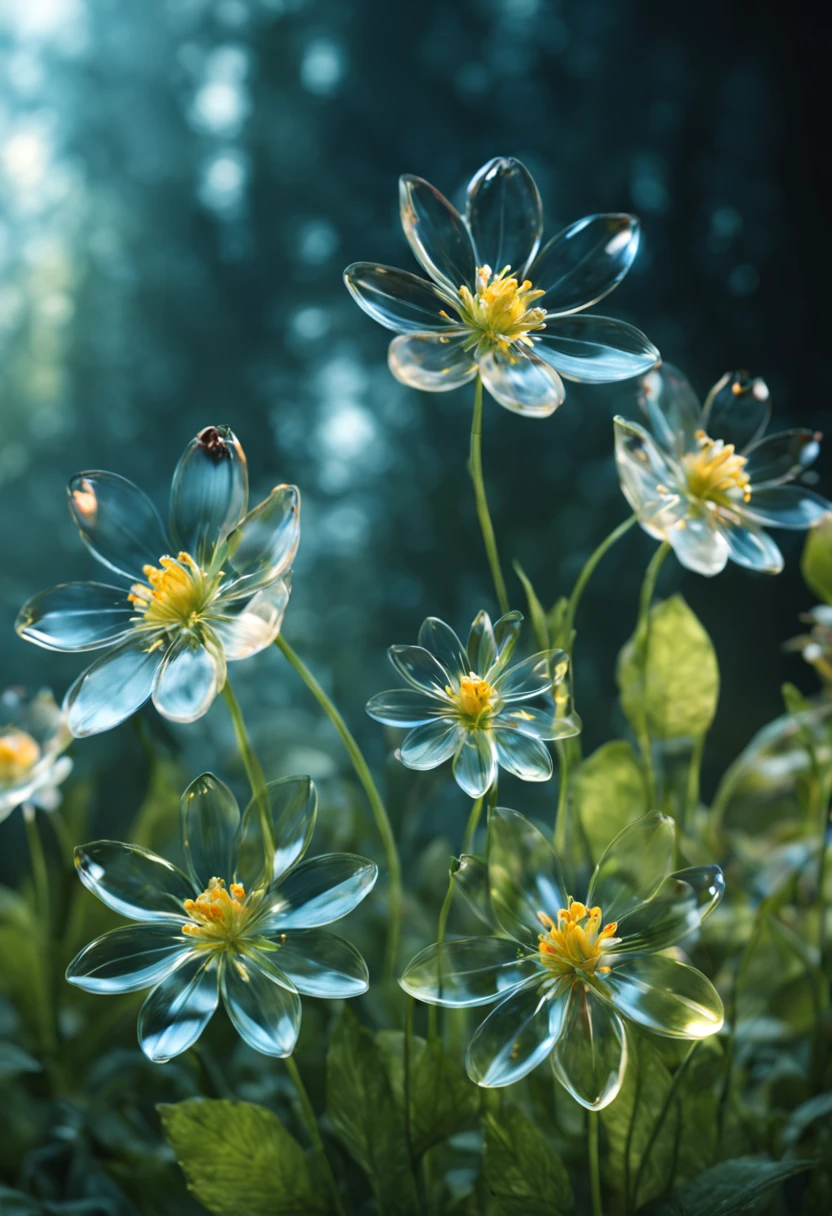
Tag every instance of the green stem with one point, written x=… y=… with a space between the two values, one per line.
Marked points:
x=444 y=913
x=731 y=1019
x=486 y=527
x=642 y=648
x=694 y=775
x=362 y=772
x=659 y=1123
x=595 y=1164
x=559 y=838
x=471 y=826
x=251 y=764
x=59 y=827
x=824 y=827
x=314 y=1134
x=40 y=874
x=587 y=570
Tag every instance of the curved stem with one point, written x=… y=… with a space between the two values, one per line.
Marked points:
x=362 y=772
x=663 y=1113
x=312 y=1127
x=251 y=764
x=594 y=1164
x=587 y=570
x=486 y=527
x=472 y=824
x=642 y=650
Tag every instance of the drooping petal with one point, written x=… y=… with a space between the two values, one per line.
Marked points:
x=505 y=215
x=475 y=763
x=133 y=881
x=524 y=876
x=247 y=632
x=700 y=544
x=178 y=1010
x=130 y=958
x=666 y=997
x=432 y=362
x=467 y=972
x=114 y=687
x=117 y=521
x=591 y=1054
x=595 y=350
x=677 y=909
x=399 y=300
x=210 y=819
x=737 y=409
x=322 y=964
x=540 y=723
x=521 y=754
x=263 y=545
x=76 y=616
x=432 y=744
x=529 y=679
x=752 y=548
x=516 y=1036
x=209 y=494
x=584 y=262
x=421 y=670
x=262 y=1003
x=402 y=707
x=781 y=457
x=319 y=891
x=437 y=234
x=633 y=866
x=672 y=408
x=648 y=480
x=441 y=641
x=188 y=680
x=785 y=507
x=522 y=382
x=291 y=807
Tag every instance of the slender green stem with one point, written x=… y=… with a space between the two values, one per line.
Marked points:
x=311 y=1122
x=472 y=825
x=694 y=775
x=587 y=570
x=362 y=772
x=663 y=1113
x=40 y=874
x=731 y=1018
x=486 y=527
x=642 y=648
x=824 y=827
x=594 y=1120
x=560 y=837
x=251 y=764
x=59 y=827
x=444 y=913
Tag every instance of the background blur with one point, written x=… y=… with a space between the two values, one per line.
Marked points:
x=181 y=184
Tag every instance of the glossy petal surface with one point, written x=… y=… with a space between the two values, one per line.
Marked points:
x=421 y=670
x=471 y=880
x=540 y=723
x=595 y=350
x=475 y=763
x=467 y=972
x=647 y=480
x=178 y=1010
x=246 y=633
x=752 y=548
x=292 y=807
x=402 y=707
x=666 y=997
x=431 y=745
x=522 y=383
x=396 y=299
x=262 y=1003
x=440 y=640
x=320 y=891
x=489 y=646
x=522 y=755
x=505 y=215
x=114 y=687
x=672 y=408
x=322 y=964
x=737 y=410
x=786 y=507
x=431 y=362
x=531 y=678
x=436 y=234
x=515 y=1037
x=129 y=959
x=632 y=866
x=264 y=544
x=76 y=616
x=677 y=909
x=117 y=522
x=210 y=819
x=187 y=681
x=701 y=546
x=524 y=876
x=209 y=492
x=584 y=262
x=781 y=457
x=133 y=881
x=591 y=1054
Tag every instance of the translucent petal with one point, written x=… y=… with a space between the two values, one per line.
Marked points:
x=475 y=763
x=666 y=997
x=209 y=493
x=133 y=881
x=595 y=350
x=398 y=300
x=178 y=1010
x=76 y=616
x=436 y=234
x=402 y=707
x=467 y=972
x=648 y=480
x=700 y=545
x=114 y=687
x=677 y=909
x=256 y=626
x=187 y=681
x=471 y=880
x=672 y=408
x=528 y=679
x=264 y=544
x=522 y=383
x=490 y=648
x=591 y=1055
x=524 y=876
x=781 y=457
x=117 y=522
x=737 y=409
x=785 y=507
x=522 y=755
x=421 y=670
x=292 y=807
x=584 y=262
x=751 y=548
x=505 y=215
x=516 y=1036
x=430 y=745
x=431 y=362
x=506 y=635
x=322 y=964
x=632 y=866
x=540 y=723
x=210 y=819
x=441 y=641
x=262 y=1003
x=320 y=891
x=130 y=958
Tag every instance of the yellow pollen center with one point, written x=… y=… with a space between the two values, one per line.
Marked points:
x=575 y=942
x=500 y=311
x=19 y=753
x=218 y=916
x=715 y=471
x=176 y=591
x=475 y=698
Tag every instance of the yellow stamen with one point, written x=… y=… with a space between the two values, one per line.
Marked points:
x=475 y=698
x=575 y=943
x=176 y=591
x=218 y=916
x=716 y=472
x=499 y=313
x=19 y=753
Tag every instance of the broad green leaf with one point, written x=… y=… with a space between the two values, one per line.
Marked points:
x=609 y=793
x=363 y=1110
x=816 y=562
x=536 y=614
x=522 y=1170
x=679 y=690
x=801 y=1119
x=443 y=1099
x=238 y=1157
x=731 y=1186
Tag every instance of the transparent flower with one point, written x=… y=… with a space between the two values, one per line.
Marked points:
x=704 y=479
x=33 y=738
x=496 y=302
x=212 y=590
x=243 y=921
x=566 y=973
x=465 y=702
x=816 y=645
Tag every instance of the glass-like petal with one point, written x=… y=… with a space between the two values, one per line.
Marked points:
x=209 y=493
x=591 y=1054
x=322 y=964
x=522 y=383
x=540 y=723
x=133 y=881
x=467 y=972
x=666 y=997
x=188 y=679
x=436 y=233
x=528 y=679
x=262 y=1003
x=481 y=649
x=432 y=362
x=516 y=1036
x=210 y=819
x=440 y=640
x=421 y=670
x=114 y=687
x=677 y=909
x=505 y=215
x=633 y=866
x=247 y=632
x=471 y=880
x=595 y=350
x=672 y=408
x=402 y=707
x=648 y=480
x=752 y=548
x=263 y=546
x=117 y=522
x=700 y=545
x=584 y=262
x=785 y=507
x=524 y=876
x=522 y=755
x=130 y=958
x=737 y=409
x=291 y=806
x=475 y=763
x=76 y=616
x=320 y=891
x=399 y=300
x=432 y=744
x=178 y=1010
x=781 y=457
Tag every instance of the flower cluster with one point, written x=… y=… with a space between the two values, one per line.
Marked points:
x=33 y=739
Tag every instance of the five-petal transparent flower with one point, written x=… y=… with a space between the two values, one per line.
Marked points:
x=33 y=737
x=704 y=479
x=497 y=303
x=465 y=702
x=243 y=922
x=211 y=591
x=566 y=973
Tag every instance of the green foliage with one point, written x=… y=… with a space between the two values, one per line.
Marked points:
x=610 y=793
x=816 y=561
x=537 y=613
x=443 y=1099
x=522 y=1170
x=731 y=1186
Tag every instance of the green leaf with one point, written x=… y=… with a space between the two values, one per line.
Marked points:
x=816 y=562
x=238 y=1157
x=363 y=1110
x=443 y=1099
x=610 y=793
x=801 y=1119
x=731 y=1186
x=522 y=1170
x=782 y=990
x=536 y=614
x=14 y=1060
x=680 y=691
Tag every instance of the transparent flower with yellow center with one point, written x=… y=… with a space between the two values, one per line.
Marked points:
x=500 y=313
x=219 y=915
x=176 y=593
x=19 y=753
x=575 y=942
x=715 y=471
x=475 y=699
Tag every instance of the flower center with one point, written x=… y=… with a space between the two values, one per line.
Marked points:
x=716 y=472
x=176 y=591
x=218 y=916
x=500 y=313
x=19 y=753
x=576 y=941
x=475 y=698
